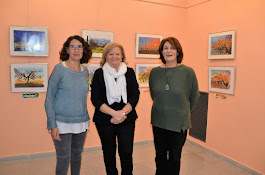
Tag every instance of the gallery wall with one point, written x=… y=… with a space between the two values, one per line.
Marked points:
x=235 y=126
x=23 y=121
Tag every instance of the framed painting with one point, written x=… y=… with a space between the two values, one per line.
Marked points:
x=29 y=77
x=222 y=79
x=143 y=72
x=29 y=41
x=92 y=67
x=97 y=39
x=147 y=45
x=221 y=45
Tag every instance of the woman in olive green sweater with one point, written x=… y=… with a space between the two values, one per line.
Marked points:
x=174 y=91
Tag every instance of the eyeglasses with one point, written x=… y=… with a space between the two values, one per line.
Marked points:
x=79 y=47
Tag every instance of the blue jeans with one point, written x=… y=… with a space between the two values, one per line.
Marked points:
x=124 y=133
x=168 y=147
x=69 y=150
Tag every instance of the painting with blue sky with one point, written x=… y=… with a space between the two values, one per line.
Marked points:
x=30 y=41
x=97 y=39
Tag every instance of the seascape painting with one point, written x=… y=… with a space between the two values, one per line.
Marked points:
x=29 y=41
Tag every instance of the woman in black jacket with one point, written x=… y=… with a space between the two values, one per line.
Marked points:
x=115 y=93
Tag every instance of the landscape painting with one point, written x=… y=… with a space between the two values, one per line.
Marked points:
x=147 y=45
x=92 y=67
x=97 y=39
x=222 y=45
x=143 y=72
x=29 y=77
x=28 y=41
x=222 y=79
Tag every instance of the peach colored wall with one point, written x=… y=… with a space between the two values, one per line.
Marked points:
x=235 y=126
x=23 y=121
x=176 y=3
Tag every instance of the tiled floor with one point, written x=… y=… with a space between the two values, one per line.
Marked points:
x=195 y=161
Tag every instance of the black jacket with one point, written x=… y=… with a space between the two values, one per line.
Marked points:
x=98 y=97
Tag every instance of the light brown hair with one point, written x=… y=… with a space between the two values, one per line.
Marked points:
x=108 y=48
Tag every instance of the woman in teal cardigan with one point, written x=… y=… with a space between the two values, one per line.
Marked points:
x=174 y=91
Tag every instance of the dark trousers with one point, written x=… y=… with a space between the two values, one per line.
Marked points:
x=69 y=150
x=168 y=147
x=124 y=133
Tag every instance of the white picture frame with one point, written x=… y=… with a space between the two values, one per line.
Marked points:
x=92 y=67
x=221 y=79
x=143 y=72
x=221 y=45
x=147 y=45
x=29 y=77
x=97 y=39
x=29 y=41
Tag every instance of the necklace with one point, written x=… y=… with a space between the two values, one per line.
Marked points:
x=167 y=86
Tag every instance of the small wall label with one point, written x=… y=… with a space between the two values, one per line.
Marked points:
x=31 y=95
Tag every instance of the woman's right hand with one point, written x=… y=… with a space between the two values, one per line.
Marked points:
x=55 y=134
x=119 y=115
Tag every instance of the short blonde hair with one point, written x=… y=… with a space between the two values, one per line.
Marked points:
x=108 y=48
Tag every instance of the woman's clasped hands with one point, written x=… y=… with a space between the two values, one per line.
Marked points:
x=118 y=117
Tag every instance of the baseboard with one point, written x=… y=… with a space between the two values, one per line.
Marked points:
x=27 y=156
x=253 y=172
x=48 y=154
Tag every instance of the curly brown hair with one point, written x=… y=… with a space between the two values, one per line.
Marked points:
x=176 y=45
x=87 y=51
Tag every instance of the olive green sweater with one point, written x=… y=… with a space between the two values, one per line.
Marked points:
x=171 y=108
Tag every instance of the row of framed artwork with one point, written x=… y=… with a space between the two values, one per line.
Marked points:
x=33 y=77
x=33 y=41
x=220 y=78
x=142 y=72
